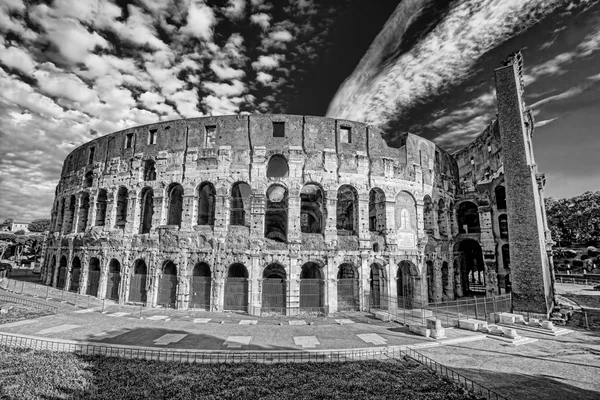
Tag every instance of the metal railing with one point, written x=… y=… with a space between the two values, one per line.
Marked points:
x=406 y=311
x=578 y=280
x=28 y=303
x=453 y=375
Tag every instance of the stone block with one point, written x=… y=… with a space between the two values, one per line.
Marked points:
x=421 y=313
x=507 y=318
x=383 y=316
x=419 y=330
x=438 y=333
x=433 y=323
x=471 y=324
x=534 y=322
x=495 y=330
x=547 y=325
x=559 y=321
x=511 y=333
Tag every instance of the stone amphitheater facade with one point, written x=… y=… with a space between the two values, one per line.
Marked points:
x=258 y=213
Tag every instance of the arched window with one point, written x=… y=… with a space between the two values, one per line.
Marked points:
x=500 y=198
x=147 y=210
x=430 y=284
x=122 y=206
x=311 y=209
x=101 y=207
x=240 y=204
x=149 y=170
x=206 y=204
x=347 y=211
x=72 y=204
x=276 y=214
x=377 y=220
x=60 y=216
x=84 y=208
x=428 y=215
x=503 y=225
x=405 y=212
x=468 y=218
x=175 y=194
x=89 y=179
x=442 y=221
x=277 y=167
x=75 y=275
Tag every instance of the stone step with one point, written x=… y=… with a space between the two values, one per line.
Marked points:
x=552 y=332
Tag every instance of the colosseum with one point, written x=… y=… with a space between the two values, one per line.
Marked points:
x=292 y=214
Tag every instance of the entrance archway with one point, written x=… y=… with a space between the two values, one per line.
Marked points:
x=312 y=292
x=75 y=275
x=137 y=285
x=50 y=271
x=347 y=288
x=472 y=267
x=377 y=286
x=405 y=289
x=114 y=280
x=201 y=285
x=274 y=288
x=93 y=277
x=167 y=285
x=62 y=273
x=236 y=288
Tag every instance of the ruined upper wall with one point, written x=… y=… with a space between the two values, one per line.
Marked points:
x=480 y=161
x=250 y=132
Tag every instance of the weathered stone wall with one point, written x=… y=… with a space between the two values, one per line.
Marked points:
x=243 y=146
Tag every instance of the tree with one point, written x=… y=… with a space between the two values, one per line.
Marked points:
x=575 y=220
x=6 y=224
x=39 y=225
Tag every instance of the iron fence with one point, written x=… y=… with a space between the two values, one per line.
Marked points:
x=406 y=311
x=578 y=281
x=29 y=303
x=453 y=375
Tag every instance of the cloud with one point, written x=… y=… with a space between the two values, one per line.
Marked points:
x=236 y=88
x=264 y=78
x=268 y=62
x=200 y=21
x=235 y=9
x=17 y=58
x=220 y=105
x=225 y=72
x=539 y=124
x=261 y=19
x=386 y=83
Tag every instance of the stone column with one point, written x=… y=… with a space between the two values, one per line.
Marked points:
x=438 y=287
x=254 y=285
x=133 y=213
x=294 y=228
x=183 y=280
x=102 y=283
x=391 y=269
x=111 y=210
x=85 y=267
x=365 y=287
x=331 y=223
x=293 y=285
x=331 y=284
x=420 y=220
x=435 y=219
x=161 y=207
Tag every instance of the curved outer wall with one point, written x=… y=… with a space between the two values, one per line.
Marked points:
x=100 y=234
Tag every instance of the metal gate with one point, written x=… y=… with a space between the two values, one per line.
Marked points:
x=93 y=282
x=312 y=294
x=236 y=294
x=375 y=293
x=167 y=290
x=137 y=288
x=348 y=299
x=274 y=295
x=62 y=273
x=112 y=285
x=200 y=297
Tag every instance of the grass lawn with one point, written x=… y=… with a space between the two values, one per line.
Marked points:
x=28 y=374
x=18 y=312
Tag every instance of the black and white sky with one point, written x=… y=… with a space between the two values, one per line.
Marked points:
x=71 y=70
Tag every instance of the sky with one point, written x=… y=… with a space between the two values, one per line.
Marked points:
x=71 y=70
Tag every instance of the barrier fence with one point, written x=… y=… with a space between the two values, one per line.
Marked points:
x=449 y=312
x=453 y=375
x=264 y=357
x=28 y=303
x=578 y=280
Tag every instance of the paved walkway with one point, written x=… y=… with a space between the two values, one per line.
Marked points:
x=220 y=331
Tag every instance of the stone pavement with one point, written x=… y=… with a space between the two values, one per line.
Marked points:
x=202 y=330
x=563 y=367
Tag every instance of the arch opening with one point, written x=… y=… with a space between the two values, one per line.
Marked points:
x=276 y=214
x=236 y=288
x=468 y=218
x=201 y=286
x=113 y=281
x=62 y=273
x=348 y=288
x=312 y=209
x=347 y=211
x=274 y=289
x=147 y=210
x=93 y=277
x=240 y=204
x=206 y=204
x=167 y=285
x=101 y=203
x=405 y=284
x=471 y=267
x=377 y=214
x=312 y=292
x=149 y=170
x=88 y=180
x=138 y=280
x=500 y=193
x=75 y=275
x=377 y=287
x=277 y=167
